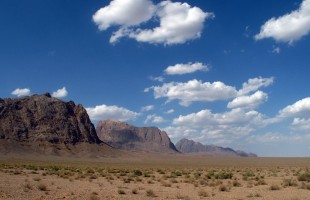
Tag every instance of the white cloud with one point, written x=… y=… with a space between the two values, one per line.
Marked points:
x=289 y=27
x=251 y=101
x=169 y=111
x=154 y=119
x=254 y=84
x=235 y=117
x=300 y=108
x=193 y=90
x=272 y=137
x=102 y=112
x=301 y=124
x=180 y=69
x=60 y=93
x=124 y=13
x=147 y=108
x=21 y=92
x=276 y=50
x=179 y=22
x=157 y=78
x=207 y=126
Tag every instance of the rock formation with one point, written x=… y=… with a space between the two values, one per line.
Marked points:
x=190 y=146
x=42 y=118
x=125 y=136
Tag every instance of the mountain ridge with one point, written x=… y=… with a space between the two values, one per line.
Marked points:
x=191 y=146
x=122 y=135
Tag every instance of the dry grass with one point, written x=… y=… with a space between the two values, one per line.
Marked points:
x=146 y=181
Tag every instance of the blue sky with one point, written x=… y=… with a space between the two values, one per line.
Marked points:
x=231 y=73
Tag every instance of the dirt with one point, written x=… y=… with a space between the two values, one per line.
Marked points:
x=144 y=176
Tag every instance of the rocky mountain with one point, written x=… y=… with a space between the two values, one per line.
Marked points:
x=190 y=146
x=125 y=136
x=42 y=118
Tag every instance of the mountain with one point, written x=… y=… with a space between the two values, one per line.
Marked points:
x=42 y=118
x=190 y=146
x=122 y=135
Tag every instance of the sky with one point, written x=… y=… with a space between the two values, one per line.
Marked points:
x=229 y=73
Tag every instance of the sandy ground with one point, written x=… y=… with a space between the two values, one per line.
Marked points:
x=171 y=177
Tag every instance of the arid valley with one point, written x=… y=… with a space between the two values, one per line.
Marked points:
x=149 y=176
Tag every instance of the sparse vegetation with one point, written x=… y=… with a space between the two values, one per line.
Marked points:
x=202 y=182
x=274 y=187
x=150 y=193
x=120 y=191
x=203 y=193
x=42 y=187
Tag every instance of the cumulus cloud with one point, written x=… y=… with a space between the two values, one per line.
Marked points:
x=188 y=68
x=289 y=27
x=179 y=22
x=237 y=117
x=102 y=112
x=147 y=108
x=154 y=119
x=300 y=108
x=193 y=90
x=251 y=101
x=254 y=84
x=206 y=125
x=301 y=124
x=60 y=93
x=21 y=92
x=124 y=13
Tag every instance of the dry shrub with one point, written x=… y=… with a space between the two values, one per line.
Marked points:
x=150 y=193
x=274 y=187
x=203 y=193
x=223 y=188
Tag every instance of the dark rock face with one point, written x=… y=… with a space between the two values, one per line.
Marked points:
x=46 y=119
x=125 y=136
x=190 y=146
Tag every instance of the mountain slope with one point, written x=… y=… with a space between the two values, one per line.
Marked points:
x=125 y=136
x=41 y=118
x=190 y=146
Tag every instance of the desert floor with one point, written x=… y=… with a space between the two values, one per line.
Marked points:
x=149 y=176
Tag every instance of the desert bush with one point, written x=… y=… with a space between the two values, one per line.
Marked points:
x=42 y=187
x=247 y=175
x=36 y=178
x=236 y=183
x=223 y=175
x=304 y=177
x=305 y=186
x=27 y=186
x=93 y=197
x=203 y=193
x=180 y=197
x=120 y=191
x=137 y=172
x=165 y=184
x=274 y=187
x=150 y=193
x=289 y=182
x=176 y=173
x=223 y=188
x=134 y=191
x=260 y=182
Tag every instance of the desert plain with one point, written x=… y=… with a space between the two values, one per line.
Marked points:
x=132 y=175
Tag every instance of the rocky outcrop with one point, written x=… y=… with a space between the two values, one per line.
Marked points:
x=42 y=118
x=190 y=146
x=125 y=136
